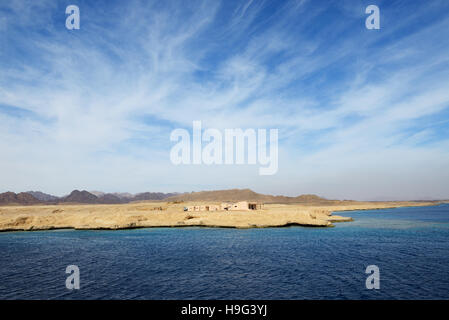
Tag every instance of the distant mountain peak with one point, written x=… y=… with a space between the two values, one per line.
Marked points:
x=83 y=196
x=21 y=198
x=97 y=193
x=43 y=196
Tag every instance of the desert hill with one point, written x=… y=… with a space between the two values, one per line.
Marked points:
x=21 y=198
x=152 y=196
x=42 y=196
x=77 y=196
x=234 y=195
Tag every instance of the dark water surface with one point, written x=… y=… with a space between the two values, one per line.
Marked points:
x=409 y=245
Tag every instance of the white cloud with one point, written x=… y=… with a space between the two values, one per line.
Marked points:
x=103 y=101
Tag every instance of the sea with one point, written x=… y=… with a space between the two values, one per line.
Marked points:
x=408 y=246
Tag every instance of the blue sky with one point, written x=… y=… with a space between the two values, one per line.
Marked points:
x=362 y=114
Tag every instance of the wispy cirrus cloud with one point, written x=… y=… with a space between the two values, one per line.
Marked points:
x=358 y=110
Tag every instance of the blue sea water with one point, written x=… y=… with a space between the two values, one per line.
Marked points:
x=409 y=245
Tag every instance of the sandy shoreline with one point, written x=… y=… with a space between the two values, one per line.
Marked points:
x=163 y=214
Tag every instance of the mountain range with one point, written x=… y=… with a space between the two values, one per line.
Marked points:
x=98 y=197
x=76 y=196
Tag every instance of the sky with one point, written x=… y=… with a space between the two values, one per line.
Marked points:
x=361 y=114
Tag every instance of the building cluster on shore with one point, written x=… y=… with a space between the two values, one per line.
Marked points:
x=226 y=206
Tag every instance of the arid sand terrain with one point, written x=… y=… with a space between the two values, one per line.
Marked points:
x=171 y=214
